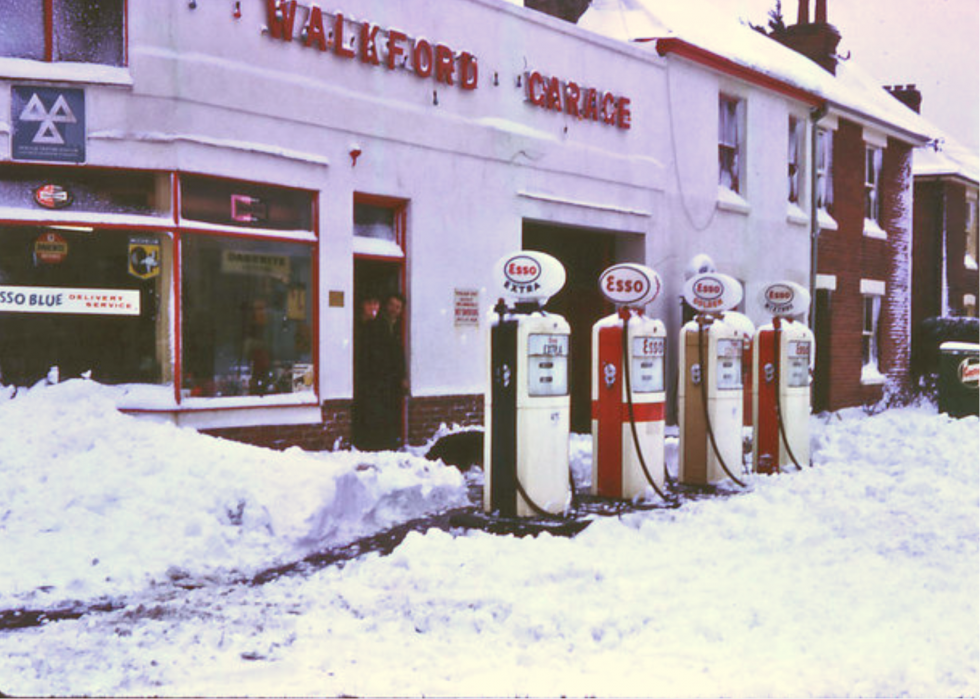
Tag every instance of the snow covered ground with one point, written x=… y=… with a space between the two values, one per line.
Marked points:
x=858 y=577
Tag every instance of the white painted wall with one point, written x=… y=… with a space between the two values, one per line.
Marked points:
x=208 y=93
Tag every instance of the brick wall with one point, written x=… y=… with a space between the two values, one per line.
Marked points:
x=896 y=308
x=851 y=256
x=332 y=433
x=425 y=416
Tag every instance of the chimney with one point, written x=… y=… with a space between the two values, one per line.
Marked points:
x=816 y=40
x=908 y=95
x=568 y=10
x=820 y=17
x=803 y=13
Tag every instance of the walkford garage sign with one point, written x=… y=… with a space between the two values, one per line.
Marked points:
x=392 y=49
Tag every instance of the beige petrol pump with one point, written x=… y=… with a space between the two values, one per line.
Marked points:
x=710 y=398
x=628 y=397
x=783 y=352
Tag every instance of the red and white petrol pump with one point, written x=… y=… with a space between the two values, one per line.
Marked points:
x=628 y=395
x=710 y=402
x=527 y=404
x=781 y=381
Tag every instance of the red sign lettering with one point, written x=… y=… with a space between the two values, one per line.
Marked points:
x=585 y=103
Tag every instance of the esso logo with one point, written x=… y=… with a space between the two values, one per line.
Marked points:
x=529 y=276
x=52 y=196
x=522 y=269
x=784 y=299
x=970 y=372
x=629 y=285
x=712 y=292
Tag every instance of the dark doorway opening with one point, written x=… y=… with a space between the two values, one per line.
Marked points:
x=585 y=255
x=373 y=279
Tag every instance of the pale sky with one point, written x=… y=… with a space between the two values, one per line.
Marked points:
x=934 y=44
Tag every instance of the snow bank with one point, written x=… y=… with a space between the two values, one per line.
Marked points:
x=857 y=577
x=94 y=502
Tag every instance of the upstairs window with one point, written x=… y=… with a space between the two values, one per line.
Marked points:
x=872 y=183
x=824 y=170
x=730 y=116
x=794 y=158
x=75 y=31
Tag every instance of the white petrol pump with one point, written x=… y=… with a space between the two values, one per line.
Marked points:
x=783 y=352
x=628 y=395
x=710 y=399
x=527 y=403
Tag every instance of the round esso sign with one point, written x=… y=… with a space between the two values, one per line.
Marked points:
x=529 y=276
x=784 y=299
x=712 y=292
x=629 y=284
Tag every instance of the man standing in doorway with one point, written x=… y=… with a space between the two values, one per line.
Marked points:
x=385 y=374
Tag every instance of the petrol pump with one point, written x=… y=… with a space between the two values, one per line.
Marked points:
x=527 y=404
x=710 y=402
x=781 y=381
x=628 y=396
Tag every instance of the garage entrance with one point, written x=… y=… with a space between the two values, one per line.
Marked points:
x=585 y=254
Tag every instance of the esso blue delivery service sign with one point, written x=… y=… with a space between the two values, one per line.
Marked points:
x=629 y=284
x=712 y=292
x=529 y=275
x=784 y=299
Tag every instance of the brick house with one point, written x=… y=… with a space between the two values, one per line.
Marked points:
x=945 y=279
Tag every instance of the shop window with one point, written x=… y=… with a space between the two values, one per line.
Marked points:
x=872 y=184
x=247 y=316
x=245 y=205
x=870 y=338
x=730 y=145
x=78 y=31
x=90 y=190
x=824 y=170
x=89 y=302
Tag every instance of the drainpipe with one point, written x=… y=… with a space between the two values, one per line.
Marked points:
x=816 y=114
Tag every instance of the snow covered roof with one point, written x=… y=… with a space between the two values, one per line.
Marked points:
x=947 y=157
x=697 y=23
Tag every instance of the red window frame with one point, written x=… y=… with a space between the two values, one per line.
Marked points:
x=48 y=10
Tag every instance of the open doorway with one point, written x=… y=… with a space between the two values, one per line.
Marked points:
x=585 y=255
x=378 y=410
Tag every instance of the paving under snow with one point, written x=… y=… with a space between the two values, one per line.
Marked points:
x=858 y=577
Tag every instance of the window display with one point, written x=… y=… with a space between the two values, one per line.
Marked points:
x=90 y=302
x=247 y=316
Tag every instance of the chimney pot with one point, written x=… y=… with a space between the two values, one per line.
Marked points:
x=803 y=13
x=821 y=12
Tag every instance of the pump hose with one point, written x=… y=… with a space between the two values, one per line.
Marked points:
x=535 y=507
x=779 y=407
x=629 y=403
x=704 y=405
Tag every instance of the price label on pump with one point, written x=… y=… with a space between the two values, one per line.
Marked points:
x=630 y=284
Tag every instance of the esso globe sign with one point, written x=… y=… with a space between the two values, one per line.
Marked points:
x=629 y=284
x=529 y=276
x=784 y=299
x=712 y=292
